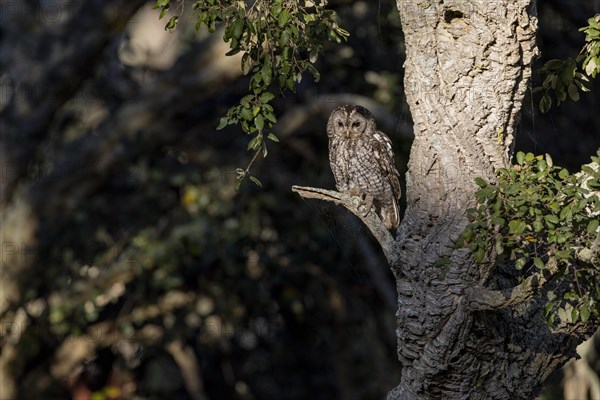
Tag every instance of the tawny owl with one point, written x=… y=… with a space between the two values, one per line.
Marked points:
x=362 y=160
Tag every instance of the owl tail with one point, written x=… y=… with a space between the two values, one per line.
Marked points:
x=390 y=214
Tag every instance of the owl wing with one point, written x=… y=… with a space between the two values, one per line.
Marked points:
x=384 y=155
x=382 y=149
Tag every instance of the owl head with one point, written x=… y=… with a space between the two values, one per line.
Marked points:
x=350 y=122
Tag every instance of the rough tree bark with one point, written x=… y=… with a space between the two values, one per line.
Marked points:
x=465 y=331
x=467 y=68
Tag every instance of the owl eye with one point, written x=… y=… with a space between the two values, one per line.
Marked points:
x=340 y=124
x=355 y=124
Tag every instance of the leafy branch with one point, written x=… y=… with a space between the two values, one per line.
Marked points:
x=279 y=41
x=567 y=77
x=543 y=219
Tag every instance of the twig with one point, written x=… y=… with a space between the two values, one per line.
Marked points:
x=241 y=174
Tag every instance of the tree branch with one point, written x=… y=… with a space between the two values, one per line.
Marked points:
x=480 y=298
x=352 y=203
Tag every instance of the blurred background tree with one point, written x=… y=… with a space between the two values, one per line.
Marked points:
x=131 y=268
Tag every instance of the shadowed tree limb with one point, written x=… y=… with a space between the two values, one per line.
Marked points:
x=352 y=203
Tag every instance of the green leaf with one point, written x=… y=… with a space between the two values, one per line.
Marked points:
x=266 y=74
x=164 y=11
x=563 y=174
x=264 y=149
x=246 y=99
x=574 y=315
x=277 y=7
x=520 y=263
x=308 y=18
x=479 y=254
x=246 y=114
x=584 y=313
x=573 y=93
x=255 y=142
x=520 y=157
x=548 y=308
x=588 y=170
x=566 y=214
x=591 y=66
x=545 y=103
x=255 y=180
x=283 y=18
x=561 y=237
x=516 y=226
x=498 y=221
x=273 y=137
x=538 y=263
x=581 y=86
x=480 y=182
x=259 y=122
x=223 y=122
x=266 y=97
x=237 y=28
x=538 y=225
x=172 y=23
x=541 y=165
x=551 y=219
x=270 y=117
x=160 y=3
x=469 y=234
x=592 y=226
x=284 y=38
x=570 y=296
x=233 y=51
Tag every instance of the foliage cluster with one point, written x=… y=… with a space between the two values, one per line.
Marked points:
x=565 y=77
x=545 y=221
x=591 y=51
x=279 y=41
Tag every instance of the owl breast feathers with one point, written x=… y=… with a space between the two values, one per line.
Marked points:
x=362 y=160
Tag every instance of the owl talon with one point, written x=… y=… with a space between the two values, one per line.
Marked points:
x=366 y=200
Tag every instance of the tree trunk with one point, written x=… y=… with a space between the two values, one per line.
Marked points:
x=461 y=335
